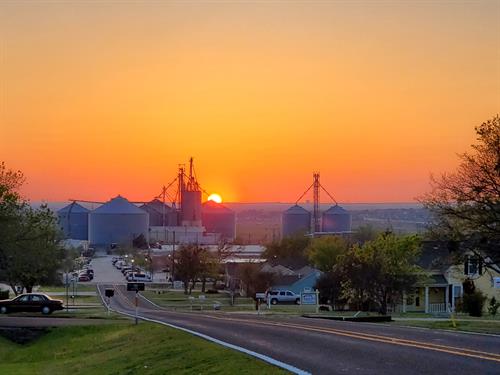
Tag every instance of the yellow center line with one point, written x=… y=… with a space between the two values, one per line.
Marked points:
x=363 y=336
x=378 y=338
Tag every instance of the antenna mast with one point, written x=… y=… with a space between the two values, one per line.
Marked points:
x=316 y=213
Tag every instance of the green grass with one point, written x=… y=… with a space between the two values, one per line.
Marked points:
x=81 y=288
x=124 y=349
x=468 y=325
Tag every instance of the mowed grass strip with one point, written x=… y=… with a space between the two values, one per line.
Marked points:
x=125 y=349
x=478 y=326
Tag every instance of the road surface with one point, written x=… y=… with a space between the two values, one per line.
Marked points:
x=333 y=347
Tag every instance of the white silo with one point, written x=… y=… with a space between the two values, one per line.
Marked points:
x=117 y=221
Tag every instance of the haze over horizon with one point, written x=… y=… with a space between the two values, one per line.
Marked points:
x=99 y=98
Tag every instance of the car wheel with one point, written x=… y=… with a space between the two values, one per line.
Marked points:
x=297 y=301
x=274 y=301
x=46 y=310
x=3 y=310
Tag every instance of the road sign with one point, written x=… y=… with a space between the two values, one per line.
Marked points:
x=308 y=298
x=109 y=292
x=135 y=287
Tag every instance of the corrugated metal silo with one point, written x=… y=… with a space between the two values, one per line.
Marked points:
x=156 y=210
x=336 y=219
x=296 y=220
x=191 y=208
x=74 y=221
x=117 y=221
x=217 y=218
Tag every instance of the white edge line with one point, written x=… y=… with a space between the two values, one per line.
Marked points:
x=262 y=357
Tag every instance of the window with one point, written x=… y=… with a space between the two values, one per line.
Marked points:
x=36 y=298
x=289 y=293
x=23 y=298
x=282 y=293
x=472 y=266
x=457 y=291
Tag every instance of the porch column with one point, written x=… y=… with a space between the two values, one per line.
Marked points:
x=426 y=299
x=446 y=297
x=452 y=298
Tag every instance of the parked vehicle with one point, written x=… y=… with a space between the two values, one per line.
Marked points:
x=142 y=277
x=283 y=296
x=31 y=302
x=83 y=277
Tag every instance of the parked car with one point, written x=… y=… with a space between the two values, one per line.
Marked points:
x=142 y=277
x=283 y=296
x=31 y=302
x=83 y=277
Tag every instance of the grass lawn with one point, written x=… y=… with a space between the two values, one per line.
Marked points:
x=124 y=349
x=81 y=288
x=468 y=325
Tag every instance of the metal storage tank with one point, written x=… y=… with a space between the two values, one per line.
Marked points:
x=117 y=221
x=336 y=219
x=74 y=221
x=296 y=220
x=191 y=208
x=217 y=218
x=156 y=209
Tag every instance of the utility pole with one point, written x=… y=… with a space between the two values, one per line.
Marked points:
x=316 y=212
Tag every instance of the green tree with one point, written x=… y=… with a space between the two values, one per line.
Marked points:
x=36 y=257
x=381 y=270
x=290 y=250
x=364 y=233
x=324 y=252
x=465 y=204
x=254 y=279
x=189 y=265
x=29 y=238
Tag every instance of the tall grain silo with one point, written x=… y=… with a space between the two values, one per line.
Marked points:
x=336 y=219
x=160 y=214
x=191 y=208
x=217 y=218
x=296 y=220
x=74 y=221
x=117 y=221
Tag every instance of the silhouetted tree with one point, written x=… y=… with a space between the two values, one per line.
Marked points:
x=466 y=203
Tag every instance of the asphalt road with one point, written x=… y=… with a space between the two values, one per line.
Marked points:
x=333 y=347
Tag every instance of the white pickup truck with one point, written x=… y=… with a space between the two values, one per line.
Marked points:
x=279 y=296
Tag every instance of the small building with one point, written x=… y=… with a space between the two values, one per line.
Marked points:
x=297 y=283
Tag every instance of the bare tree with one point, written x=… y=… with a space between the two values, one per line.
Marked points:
x=466 y=203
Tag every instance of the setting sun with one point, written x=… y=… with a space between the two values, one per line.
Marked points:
x=215 y=197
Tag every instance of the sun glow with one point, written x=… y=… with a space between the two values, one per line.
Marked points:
x=215 y=197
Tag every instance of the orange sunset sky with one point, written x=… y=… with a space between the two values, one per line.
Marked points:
x=106 y=97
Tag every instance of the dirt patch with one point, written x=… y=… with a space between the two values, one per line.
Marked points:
x=23 y=336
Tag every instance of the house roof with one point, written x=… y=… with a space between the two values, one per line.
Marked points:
x=435 y=255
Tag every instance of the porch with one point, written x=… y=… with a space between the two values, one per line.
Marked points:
x=437 y=296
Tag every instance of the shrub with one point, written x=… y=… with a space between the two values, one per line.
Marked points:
x=4 y=294
x=212 y=291
x=493 y=307
x=473 y=303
